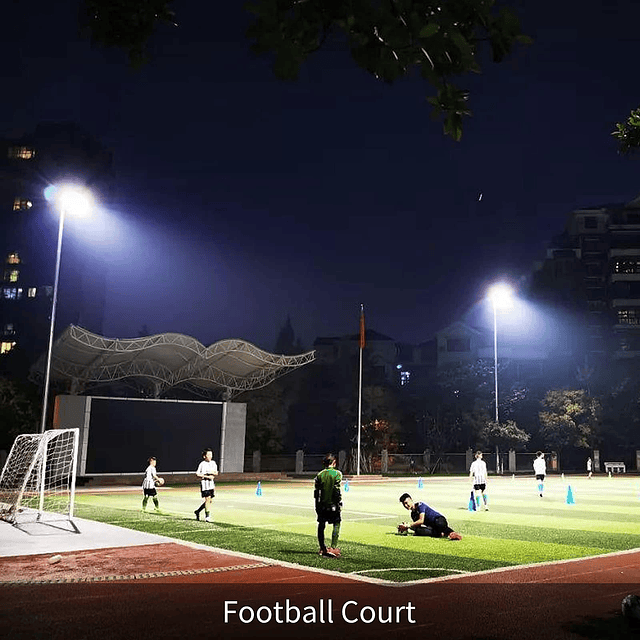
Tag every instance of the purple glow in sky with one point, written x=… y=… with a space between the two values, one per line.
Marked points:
x=242 y=199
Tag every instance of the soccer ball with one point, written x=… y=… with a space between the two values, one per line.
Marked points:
x=159 y=482
x=631 y=609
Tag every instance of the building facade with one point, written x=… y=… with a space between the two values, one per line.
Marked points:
x=593 y=271
x=53 y=154
x=389 y=362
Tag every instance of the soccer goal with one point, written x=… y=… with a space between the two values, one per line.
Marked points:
x=38 y=480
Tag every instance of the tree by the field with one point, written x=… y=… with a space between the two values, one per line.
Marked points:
x=376 y=435
x=503 y=435
x=19 y=411
x=390 y=39
x=627 y=133
x=266 y=417
x=467 y=391
x=570 y=419
x=382 y=424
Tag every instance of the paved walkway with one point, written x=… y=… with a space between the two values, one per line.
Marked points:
x=40 y=538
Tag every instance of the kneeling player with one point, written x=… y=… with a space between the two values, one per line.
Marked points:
x=425 y=520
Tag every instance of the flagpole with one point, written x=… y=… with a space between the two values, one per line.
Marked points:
x=362 y=342
x=359 y=410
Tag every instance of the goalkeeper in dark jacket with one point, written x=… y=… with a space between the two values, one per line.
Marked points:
x=425 y=520
x=328 y=502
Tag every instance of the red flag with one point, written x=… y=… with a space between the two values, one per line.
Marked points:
x=362 y=340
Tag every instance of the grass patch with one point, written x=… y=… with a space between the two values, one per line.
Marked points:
x=519 y=529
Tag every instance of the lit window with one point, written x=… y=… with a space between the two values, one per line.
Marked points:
x=22 y=204
x=628 y=265
x=11 y=275
x=404 y=377
x=12 y=293
x=5 y=347
x=13 y=258
x=21 y=153
x=31 y=292
x=628 y=316
x=630 y=343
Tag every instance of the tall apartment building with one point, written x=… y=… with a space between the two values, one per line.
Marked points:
x=593 y=271
x=54 y=153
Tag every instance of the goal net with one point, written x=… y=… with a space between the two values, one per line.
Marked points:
x=38 y=479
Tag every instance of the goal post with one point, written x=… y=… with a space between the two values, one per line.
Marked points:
x=38 y=480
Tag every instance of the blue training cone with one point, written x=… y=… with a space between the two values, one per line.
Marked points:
x=570 y=499
x=259 y=489
x=346 y=485
x=420 y=484
x=472 y=502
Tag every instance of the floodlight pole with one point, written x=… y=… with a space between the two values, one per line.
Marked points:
x=495 y=354
x=47 y=373
x=495 y=373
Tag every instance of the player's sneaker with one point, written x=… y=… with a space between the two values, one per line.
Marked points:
x=328 y=553
x=208 y=519
x=335 y=551
x=454 y=535
x=197 y=515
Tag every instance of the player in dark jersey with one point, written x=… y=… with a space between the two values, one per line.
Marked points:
x=425 y=520
x=328 y=503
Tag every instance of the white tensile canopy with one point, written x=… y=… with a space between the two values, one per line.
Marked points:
x=164 y=363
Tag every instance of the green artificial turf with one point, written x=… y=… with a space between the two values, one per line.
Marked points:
x=520 y=527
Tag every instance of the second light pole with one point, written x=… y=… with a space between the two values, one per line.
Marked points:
x=500 y=295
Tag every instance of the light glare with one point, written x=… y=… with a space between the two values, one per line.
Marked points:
x=72 y=199
x=501 y=295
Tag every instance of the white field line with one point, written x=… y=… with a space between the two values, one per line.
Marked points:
x=362 y=571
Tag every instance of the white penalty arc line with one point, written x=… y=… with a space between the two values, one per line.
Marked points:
x=363 y=571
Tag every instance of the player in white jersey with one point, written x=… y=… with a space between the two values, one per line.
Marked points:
x=540 y=469
x=207 y=470
x=478 y=474
x=149 y=485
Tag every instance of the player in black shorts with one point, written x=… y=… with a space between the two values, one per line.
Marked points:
x=328 y=502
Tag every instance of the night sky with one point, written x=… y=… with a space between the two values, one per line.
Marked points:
x=242 y=199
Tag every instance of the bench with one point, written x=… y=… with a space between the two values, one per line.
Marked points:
x=615 y=467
